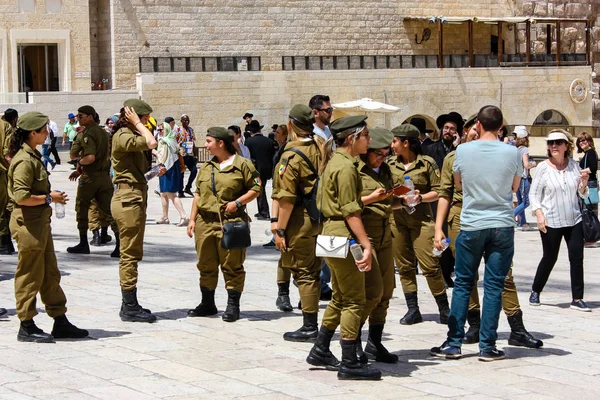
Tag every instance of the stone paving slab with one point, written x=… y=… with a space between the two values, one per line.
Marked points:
x=205 y=358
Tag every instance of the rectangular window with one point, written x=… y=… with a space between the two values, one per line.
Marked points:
x=38 y=67
x=26 y=6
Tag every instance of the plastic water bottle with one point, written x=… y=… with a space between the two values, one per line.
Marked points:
x=59 y=209
x=410 y=195
x=445 y=244
x=356 y=251
x=153 y=172
x=268 y=232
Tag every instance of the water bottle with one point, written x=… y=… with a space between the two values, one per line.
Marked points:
x=59 y=209
x=356 y=251
x=268 y=232
x=445 y=244
x=410 y=196
x=153 y=172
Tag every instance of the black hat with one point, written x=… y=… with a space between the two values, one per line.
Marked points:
x=451 y=117
x=248 y=115
x=421 y=124
x=406 y=131
x=254 y=126
x=274 y=127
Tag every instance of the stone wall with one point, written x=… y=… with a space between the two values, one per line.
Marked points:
x=100 y=41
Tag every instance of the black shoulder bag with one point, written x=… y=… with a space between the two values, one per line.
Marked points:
x=236 y=235
x=591 y=226
x=310 y=200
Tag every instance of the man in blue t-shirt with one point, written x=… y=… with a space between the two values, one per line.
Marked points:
x=488 y=172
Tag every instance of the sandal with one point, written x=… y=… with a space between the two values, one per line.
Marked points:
x=184 y=222
x=163 y=221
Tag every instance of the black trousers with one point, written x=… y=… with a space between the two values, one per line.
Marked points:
x=261 y=201
x=53 y=150
x=551 y=243
x=190 y=162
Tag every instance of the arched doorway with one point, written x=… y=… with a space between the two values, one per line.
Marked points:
x=548 y=120
x=430 y=126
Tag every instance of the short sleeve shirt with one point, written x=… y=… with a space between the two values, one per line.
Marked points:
x=182 y=136
x=70 y=130
x=292 y=175
x=340 y=187
x=128 y=159
x=447 y=188
x=27 y=175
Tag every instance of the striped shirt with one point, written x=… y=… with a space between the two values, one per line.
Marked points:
x=555 y=192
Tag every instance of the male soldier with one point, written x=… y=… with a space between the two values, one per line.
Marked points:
x=7 y=125
x=93 y=153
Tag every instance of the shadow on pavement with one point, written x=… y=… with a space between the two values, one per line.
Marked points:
x=101 y=334
x=179 y=313
x=523 y=352
x=591 y=304
x=260 y=315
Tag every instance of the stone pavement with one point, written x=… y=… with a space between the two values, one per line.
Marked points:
x=184 y=358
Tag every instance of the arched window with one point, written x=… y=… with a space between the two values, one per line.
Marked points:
x=551 y=117
x=430 y=127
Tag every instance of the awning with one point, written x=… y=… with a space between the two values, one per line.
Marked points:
x=368 y=105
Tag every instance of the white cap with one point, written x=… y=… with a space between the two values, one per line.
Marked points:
x=557 y=136
x=520 y=131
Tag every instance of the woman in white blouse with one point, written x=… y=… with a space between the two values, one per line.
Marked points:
x=555 y=191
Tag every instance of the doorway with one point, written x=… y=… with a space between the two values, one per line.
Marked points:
x=38 y=67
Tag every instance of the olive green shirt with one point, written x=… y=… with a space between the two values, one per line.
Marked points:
x=128 y=159
x=340 y=187
x=6 y=131
x=93 y=140
x=372 y=181
x=425 y=175
x=27 y=175
x=231 y=183
x=292 y=175
x=447 y=188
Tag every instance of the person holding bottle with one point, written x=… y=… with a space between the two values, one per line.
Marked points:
x=413 y=232
x=340 y=202
x=37 y=269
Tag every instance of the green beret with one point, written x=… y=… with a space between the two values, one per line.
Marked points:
x=471 y=121
x=303 y=116
x=406 y=131
x=341 y=125
x=32 y=121
x=87 y=110
x=140 y=106
x=380 y=138
x=220 y=133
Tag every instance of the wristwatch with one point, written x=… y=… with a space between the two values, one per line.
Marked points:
x=48 y=199
x=274 y=219
x=280 y=232
x=420 y=199
x=238 y=204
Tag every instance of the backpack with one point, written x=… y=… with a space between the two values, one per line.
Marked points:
x=310 y=200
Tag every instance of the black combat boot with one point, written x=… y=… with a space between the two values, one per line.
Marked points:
x=2 y=312
x=283 y=297
x=29 y=332
x=131 y=310
x=6 y=246
x=82 y=247
x=63 y=329
x=104 y=236
x=375 y=350
x=413 y=315
x=474 y=320
x=519 y=335
x=232 y=312
x=320 y=355
x=95 y=238
x=207 y=305
x=443 y=307
x=360 y=354
x=116 y=253
x=307 y=332
x=351 y=368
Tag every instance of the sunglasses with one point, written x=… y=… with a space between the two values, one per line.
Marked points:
x=582 y=140
x=556 y=142
x=327 y=110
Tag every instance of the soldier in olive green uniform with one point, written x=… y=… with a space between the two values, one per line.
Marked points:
x=6 y=246
x=378 y=201
x=91 y=149
x=296 y=233
x=413 y=232
x=339 y=198
x=37 y=270
x=519 y=336
x=236 y=183
x=129 y=202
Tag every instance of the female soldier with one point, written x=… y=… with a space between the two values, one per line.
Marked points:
x=339 y=199
x=224 y=185
x=295 y=231
x=129 y=202
x=37 y=270
x=380 y=281
x=413 y=233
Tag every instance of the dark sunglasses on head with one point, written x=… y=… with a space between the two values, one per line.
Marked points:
x=327 y=110
x=557 y=142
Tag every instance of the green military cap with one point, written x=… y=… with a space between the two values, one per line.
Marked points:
x=32 y=121
x=380 y=138
x=303 y=116
x=140 y=106
x=471 y=121
x=406 y=131
x=344 y=124
x=220 y=133
x=87 y=110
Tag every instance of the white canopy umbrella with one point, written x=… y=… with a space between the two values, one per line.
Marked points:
x=367 y=105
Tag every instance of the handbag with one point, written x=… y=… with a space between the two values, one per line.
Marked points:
x=332 y=246
x=592 y=185
x=591 y=226
x=236 y=235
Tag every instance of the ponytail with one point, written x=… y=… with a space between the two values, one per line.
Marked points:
x=295 y=132
x=17 y=140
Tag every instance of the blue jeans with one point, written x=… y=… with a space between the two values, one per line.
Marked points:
x=497 y=246
x=523 y=199
x=46 y=156
x=325 y=278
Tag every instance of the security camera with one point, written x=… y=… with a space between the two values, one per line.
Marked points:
x=443 y=19
x=432 y=20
